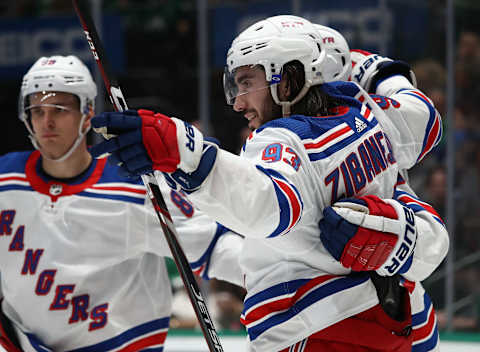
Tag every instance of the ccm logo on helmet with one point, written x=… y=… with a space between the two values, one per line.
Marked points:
x=276 y=79
x=328 y=40
x=292 y=24
x=409 y=240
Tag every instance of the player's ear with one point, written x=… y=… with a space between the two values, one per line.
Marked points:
x=88 y=118
x=284 y=91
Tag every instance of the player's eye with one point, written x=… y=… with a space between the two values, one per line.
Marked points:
x=245 y=84
x=36 y=111
x=60 y=109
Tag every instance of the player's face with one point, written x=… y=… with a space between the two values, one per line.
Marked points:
x=254 y=99
x=55 y=118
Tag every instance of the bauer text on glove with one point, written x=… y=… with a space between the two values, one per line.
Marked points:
x=370 y=69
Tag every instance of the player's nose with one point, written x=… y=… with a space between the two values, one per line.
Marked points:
x=239 y=104
x=48 y=120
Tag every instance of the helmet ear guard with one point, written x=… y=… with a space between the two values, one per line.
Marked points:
x=338 y=65
x=278 y=40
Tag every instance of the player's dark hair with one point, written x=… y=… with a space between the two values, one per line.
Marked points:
x=316 y=102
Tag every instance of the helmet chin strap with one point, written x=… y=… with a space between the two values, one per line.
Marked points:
x=286 y=105
x=78 y=140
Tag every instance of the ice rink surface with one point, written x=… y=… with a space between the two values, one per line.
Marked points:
x=237 y=344
x=179 y=343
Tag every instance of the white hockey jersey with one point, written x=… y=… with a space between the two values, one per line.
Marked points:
x=431 y=246
x=82 y=261
x=274 y=194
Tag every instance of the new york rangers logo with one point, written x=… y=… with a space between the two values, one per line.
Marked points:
x=55 y=190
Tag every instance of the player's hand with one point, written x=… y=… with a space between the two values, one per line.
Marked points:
x=368 y=233
x=368 y=69
x=142 y=141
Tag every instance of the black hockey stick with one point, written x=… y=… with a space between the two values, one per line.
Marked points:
x=119 y=104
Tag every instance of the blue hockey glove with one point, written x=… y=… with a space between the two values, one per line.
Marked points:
x=142 y=141
x=368 y=233
x=370 y=69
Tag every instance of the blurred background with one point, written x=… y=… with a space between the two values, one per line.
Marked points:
x=169 y=56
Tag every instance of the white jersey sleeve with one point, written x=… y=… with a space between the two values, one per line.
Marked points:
x=224 y=260
x=212 y=250
x=432 y=240
x=251 y=179
x=413 y=114
x=406 y=115
x=420 y=129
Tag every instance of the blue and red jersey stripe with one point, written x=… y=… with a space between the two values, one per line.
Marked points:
x=289 y=201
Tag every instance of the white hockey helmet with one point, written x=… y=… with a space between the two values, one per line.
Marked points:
x=271 y=43
x=338 y=64
x=58 y=74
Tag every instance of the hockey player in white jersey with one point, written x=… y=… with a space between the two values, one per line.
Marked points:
x=82 y=254
x=291 y=169
x=431 y=245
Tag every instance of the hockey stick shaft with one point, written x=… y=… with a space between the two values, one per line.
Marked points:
x=151 y=184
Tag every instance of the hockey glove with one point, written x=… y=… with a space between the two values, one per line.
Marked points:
x=189 y=182
x=368 y=69
x=144 y=141
x=368 y=233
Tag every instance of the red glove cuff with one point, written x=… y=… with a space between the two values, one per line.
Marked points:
x=159 y=134
x=376 y=206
